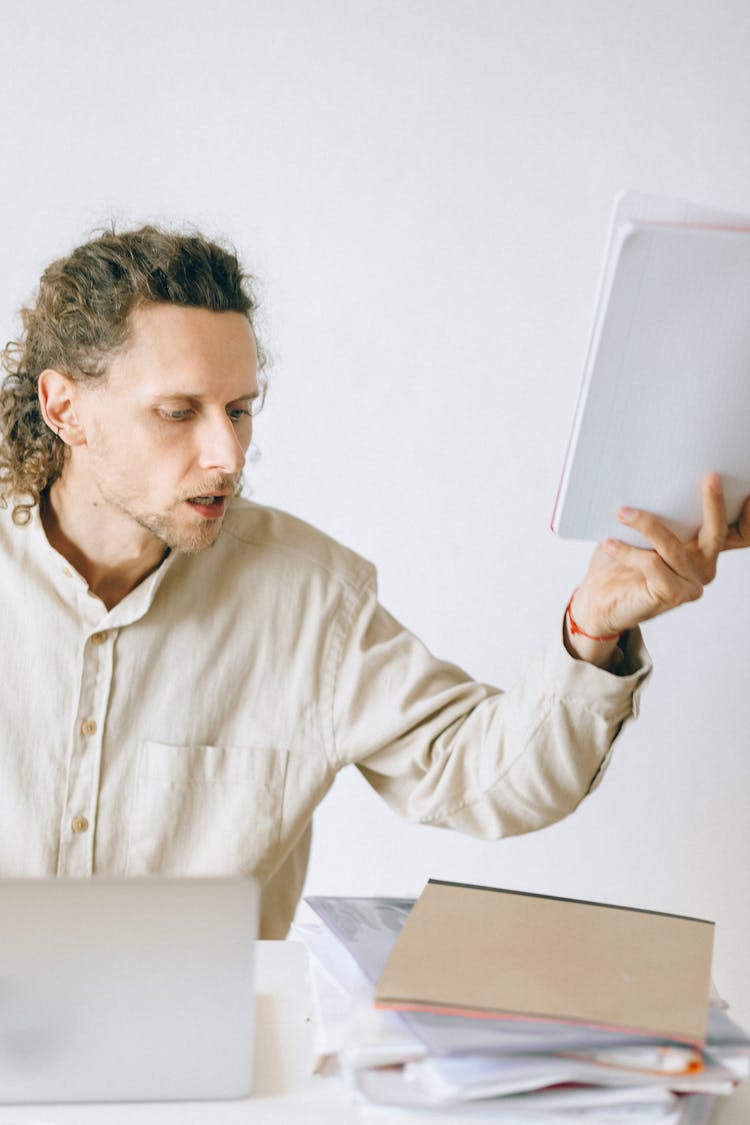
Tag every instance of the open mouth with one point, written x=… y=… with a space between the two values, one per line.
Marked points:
x=212 y=507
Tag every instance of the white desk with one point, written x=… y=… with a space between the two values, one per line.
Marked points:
x=286 y=1092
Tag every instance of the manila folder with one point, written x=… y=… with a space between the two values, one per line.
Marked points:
x=469 y=950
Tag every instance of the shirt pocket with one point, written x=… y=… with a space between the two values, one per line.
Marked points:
x=206 y=810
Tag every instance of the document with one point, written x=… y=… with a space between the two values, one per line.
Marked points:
x=666 y=386
x=411 y=1063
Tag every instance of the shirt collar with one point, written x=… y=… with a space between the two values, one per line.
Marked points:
x=73 y=587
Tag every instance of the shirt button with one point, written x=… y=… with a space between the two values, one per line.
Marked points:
x=79 y=824
x=98 y=638
x=88 y=726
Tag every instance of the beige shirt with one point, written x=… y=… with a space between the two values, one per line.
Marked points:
x=193 y=728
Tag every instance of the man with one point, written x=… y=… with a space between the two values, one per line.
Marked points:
x=187 y=671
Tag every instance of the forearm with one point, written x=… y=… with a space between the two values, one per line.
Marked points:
x=515 y=761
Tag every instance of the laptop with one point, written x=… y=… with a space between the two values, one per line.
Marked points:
x=126 y=989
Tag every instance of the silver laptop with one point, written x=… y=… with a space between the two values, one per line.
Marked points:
x=126 y=989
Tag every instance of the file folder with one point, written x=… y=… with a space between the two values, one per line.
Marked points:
x=489 y=953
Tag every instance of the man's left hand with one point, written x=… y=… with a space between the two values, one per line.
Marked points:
x=626 y=585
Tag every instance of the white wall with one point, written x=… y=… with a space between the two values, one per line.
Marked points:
x=422 y=188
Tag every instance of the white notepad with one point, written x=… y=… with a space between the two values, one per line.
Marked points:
x=665 y=396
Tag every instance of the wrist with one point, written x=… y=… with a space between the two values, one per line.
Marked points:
x=582 y=625
x=584 y=641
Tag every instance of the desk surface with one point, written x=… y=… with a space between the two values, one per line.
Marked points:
x=285 y=1090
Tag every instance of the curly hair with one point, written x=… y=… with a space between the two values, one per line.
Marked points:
x=80 y=319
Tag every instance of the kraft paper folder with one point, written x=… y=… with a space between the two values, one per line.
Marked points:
x=665 y=395
x=490 y=953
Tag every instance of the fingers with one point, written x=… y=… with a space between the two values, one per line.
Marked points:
x=634 y=584
x=696 y=559
x=713 y=533
x=668 y=547
x=666 y=587
x=739 y=533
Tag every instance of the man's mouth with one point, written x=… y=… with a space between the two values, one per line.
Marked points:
x=211 y=507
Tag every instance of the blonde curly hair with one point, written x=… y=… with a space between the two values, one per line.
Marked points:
x=80 y=318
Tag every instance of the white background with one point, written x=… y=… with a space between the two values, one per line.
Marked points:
x=422 y=190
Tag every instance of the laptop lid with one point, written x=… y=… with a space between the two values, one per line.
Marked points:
x=126 y=989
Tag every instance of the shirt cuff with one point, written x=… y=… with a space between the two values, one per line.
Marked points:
x=601 y=689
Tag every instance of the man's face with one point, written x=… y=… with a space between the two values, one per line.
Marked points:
x=167 y=429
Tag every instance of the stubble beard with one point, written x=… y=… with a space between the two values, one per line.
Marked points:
x=191 y=539
x=190 y=542
x=165 y=526
x=189 y=536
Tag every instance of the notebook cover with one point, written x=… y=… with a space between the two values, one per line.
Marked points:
x=486 y=952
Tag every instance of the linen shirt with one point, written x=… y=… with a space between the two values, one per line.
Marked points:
x=193 y=728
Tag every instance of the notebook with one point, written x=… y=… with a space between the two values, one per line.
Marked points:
x=665 y=392
x=126 y=989
x=497 y=954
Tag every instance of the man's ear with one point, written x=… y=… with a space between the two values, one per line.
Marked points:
x=57 y=402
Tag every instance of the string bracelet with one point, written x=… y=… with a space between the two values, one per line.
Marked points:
x=576 y=629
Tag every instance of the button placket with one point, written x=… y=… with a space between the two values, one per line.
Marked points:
x=84 y=769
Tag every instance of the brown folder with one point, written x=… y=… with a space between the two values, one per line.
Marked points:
x=486 y=952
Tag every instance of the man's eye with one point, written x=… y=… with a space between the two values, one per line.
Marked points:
x=175 y=415
x=237 y=413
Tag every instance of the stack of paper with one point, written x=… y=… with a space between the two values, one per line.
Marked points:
x=399 y=1014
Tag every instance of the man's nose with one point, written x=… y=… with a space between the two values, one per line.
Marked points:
x=221 y=448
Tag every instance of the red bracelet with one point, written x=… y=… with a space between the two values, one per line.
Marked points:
x=574 y=628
